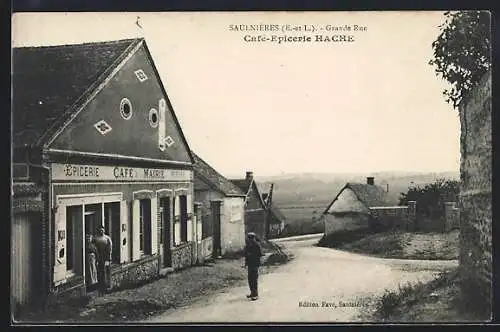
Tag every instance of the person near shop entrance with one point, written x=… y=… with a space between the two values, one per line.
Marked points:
x=253 y=253
x=91 y=263
x=104 y=247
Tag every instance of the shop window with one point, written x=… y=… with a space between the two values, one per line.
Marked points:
x=184 y=217
x=164 y=221
x=145 y=226
x=174 y=204
x=112 y=228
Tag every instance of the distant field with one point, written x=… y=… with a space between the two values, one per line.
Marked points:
x=304 y=213
x=303 y=219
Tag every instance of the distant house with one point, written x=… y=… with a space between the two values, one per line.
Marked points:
x=350 y=209
x=255 y=208
x=275 y=217
x=222 y=208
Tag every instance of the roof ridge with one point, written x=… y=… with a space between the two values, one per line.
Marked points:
x=80 y=44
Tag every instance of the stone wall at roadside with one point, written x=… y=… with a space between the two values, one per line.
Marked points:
x=475 y=202
x=134 y=273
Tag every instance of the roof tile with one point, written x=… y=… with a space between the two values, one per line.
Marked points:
x=209 y=174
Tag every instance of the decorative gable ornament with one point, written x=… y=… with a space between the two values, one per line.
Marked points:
x=162 y=105
x=169 y=141
x=141 y=76
x=102 y=127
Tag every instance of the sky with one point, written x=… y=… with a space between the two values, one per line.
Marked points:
x=371 y=105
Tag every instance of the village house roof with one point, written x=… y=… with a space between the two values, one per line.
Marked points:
x=248 y=185
x=50 y=82
x=368 y=194
x=215 y=179
x=277 y=214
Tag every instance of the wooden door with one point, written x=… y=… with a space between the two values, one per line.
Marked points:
x=215 y=207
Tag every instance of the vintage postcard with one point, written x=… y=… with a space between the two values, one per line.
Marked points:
x=251 y=167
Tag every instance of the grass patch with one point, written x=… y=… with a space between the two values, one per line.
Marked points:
x=435 y=301
x=396 y=244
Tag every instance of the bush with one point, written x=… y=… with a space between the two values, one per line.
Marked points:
x=431 y=197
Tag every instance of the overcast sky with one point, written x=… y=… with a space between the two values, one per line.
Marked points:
x=370 y=105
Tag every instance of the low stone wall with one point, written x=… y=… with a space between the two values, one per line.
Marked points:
x=134 y=273
x=393 y=217
x=182 y=256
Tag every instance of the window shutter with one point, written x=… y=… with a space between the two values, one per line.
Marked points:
x=136 y=253
x=124 y=225
x=60 y=244
x=177 y=220
x=189 y=230
x=154 y=225
x=190 y=224
x=189 y=203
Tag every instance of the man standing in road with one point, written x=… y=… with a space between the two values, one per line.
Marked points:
x=253 y=253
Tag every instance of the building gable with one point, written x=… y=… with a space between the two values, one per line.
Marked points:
x=51 y=81
x=254 y=199
x=347 y=201
x=131 y=116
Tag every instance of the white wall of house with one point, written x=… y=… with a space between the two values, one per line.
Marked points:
x=335 y=223
x=346 y=202
x=233 y=224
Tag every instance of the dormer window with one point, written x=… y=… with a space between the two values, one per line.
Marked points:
x=153 y=117
x=126 y=109
x=141 y=76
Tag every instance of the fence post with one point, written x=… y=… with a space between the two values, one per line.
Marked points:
x=448 y=215
x=412 y=215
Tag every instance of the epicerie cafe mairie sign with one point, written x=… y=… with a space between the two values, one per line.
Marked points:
x=117 y=173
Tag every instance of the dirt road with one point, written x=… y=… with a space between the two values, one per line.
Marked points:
x=319 y=285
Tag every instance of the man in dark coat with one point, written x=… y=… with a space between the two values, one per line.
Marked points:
x=253 y=253
x=104 y=247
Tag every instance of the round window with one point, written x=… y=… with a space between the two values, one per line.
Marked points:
x=153 y=117
x=126 y=109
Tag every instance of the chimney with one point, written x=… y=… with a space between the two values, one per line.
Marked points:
x=249 y=175
x=370 y=180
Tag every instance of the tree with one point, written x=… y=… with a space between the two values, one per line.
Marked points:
x=431 y=197
x=462 y=52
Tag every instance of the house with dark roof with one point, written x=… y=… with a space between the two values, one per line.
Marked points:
x=222 y=210
x=351 y=209
x=93 y=127
x=275 y=218
x=255 y=208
